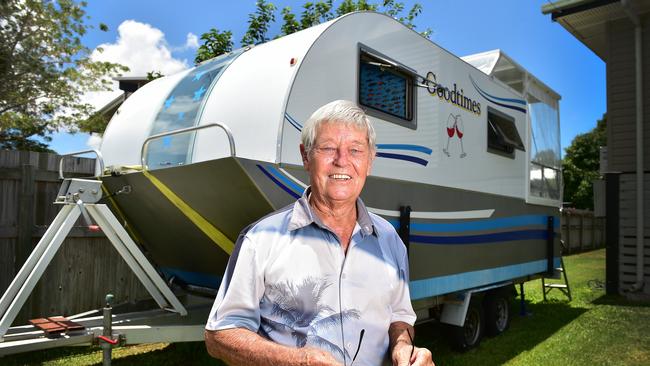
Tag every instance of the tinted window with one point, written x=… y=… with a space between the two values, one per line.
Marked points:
x=386 y=89
x=182 y=109
x=503 y=137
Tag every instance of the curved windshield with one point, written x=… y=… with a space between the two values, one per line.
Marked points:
x=182 y=109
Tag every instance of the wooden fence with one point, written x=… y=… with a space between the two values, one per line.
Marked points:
x=581 y=230
x=86 y=267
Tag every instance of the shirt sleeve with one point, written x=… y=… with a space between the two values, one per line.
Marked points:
x=238 y=299
x=402 y=310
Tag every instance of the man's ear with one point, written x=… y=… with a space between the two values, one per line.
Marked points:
x=372 y=160
x=305 y=157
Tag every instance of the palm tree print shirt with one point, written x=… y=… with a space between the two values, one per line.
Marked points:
x=289 y=280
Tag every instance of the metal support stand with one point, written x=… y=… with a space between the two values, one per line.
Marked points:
x=522 y=301
x=107 y=334
x=405 y=226
x=72 y=195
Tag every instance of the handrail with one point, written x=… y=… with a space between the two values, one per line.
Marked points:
x=145 y=144
x=99 y=158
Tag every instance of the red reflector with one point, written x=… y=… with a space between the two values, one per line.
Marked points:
x=94 y=228
x=293 y=61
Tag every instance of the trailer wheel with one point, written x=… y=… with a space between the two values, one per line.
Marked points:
x=497 y=313
x=469 y=335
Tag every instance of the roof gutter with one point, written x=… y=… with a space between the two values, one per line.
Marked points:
x=561 y=9
x=634 y=17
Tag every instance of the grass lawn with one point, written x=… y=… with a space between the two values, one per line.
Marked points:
x=593 y=329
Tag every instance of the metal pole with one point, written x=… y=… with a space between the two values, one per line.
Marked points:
x=108 y=331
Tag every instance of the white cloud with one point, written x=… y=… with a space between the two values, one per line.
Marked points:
x=94 y=141
x=192 y=41
x=142 y=48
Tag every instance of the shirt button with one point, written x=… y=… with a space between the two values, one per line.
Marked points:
x=349 y=345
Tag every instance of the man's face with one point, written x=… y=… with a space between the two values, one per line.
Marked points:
x=339 y=162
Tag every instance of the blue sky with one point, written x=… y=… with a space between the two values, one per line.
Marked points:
x=169 y=29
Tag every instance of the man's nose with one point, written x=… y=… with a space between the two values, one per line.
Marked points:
x=342 y=156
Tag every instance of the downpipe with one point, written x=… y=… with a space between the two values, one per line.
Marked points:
x=634 y=17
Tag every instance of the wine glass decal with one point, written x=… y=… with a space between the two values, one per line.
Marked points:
x=455 y=127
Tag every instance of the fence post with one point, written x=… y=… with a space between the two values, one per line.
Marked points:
x=25 y=221
x=582 y=229
x=568 y=232
x=593 y=231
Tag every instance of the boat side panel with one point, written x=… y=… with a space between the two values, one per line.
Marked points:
x=219 y=191
x=494 y=232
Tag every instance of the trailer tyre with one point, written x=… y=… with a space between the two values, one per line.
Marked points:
x=497 y=313
x=469 y=335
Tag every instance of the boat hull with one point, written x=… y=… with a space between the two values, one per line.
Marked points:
x=458 y=239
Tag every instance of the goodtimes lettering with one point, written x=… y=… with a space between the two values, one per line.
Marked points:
x=453 y=96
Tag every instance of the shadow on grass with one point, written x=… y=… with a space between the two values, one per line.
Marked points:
x=38 y=358
x=620 y=301
x=186 y=353
x=525 y=332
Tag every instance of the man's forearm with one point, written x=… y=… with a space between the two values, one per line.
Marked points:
x=242 y=347
x=398 y=334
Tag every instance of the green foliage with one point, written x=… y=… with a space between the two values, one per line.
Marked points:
x=312 y=13
x=44 y=69
x=259 y=22
x=214 y=44
x=291 y=25
x=19 y=138
x=581 y=165
x=153 y=75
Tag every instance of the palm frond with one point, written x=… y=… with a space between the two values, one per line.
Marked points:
x=288 y=315
x=323 y=343
x=273 y=326
x=334 y=320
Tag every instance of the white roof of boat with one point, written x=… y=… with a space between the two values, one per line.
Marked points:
x=499 y=65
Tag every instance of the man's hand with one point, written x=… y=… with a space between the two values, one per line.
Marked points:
x=402 y=351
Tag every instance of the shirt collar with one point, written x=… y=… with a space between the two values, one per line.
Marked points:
x=303 y=215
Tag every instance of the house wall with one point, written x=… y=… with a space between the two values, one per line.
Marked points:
x=621 y=141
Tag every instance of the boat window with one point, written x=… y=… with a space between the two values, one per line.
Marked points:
x=386 y=88
x=502 y=135
x=181 y=109
x=545 y=160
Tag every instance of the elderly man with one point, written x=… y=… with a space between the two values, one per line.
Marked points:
x=322 y=281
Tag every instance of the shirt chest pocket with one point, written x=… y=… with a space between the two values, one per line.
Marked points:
x=368 y=290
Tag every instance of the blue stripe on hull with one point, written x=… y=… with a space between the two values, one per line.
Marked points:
x=479 y=239
x=480 y=225
x=291 y=184
x=278 y=183
x=419 y=288
x=424 y=288
x=410 y=147
x=412 y=159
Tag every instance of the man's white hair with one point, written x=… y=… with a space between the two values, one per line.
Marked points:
x=338 y=111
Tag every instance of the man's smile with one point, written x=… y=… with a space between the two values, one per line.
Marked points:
x=340 y=177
